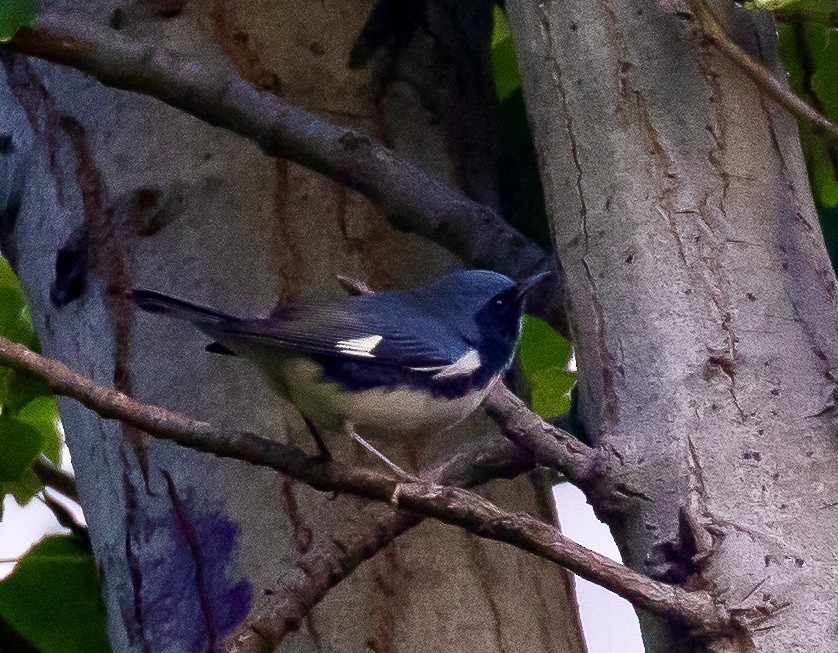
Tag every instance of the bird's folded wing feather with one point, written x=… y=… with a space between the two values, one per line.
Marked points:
x=407 y=339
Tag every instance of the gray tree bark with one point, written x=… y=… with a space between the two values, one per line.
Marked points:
x=118 y=191
x=702 y=305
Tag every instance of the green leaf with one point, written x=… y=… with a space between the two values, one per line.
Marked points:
x=797 y=8
x=810 y=54
x=15 y=322
x=15 y=318
x=52 y=598
x=33 y=430
x=544 y=355
x=771 y=5
x=551 y=391
x=19 y=390
x=541 y=347
x=505 y=73
x=42 y=414
x=25 y=487
x=15 y=14
x=20 y=443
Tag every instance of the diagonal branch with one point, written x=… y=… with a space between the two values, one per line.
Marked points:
x=550 y=446
x=359 y=539
x=530 y=440
x=450 y=505
x=413 y=200
x=759 y=74
x=57 y=479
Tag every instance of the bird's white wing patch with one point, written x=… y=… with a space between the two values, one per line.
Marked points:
x=360 y=346
x=465 y=364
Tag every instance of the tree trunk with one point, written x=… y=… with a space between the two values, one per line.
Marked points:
x=123 y=192
x=702 y=305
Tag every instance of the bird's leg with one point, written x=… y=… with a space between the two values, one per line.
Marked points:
x=324 y=453
x=350 y=430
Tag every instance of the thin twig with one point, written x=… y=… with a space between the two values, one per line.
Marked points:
x=759 y=74
x=413 y=200
x=450 y=505
x=57 y=479
x=65 y=517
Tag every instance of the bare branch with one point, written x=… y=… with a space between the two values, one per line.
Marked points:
x=550 y=446
x=361 y=537
x=358 y=539
x=65 y=517
x=759 y=74
x=450 y=505
x=535 y=441
x=57 y=479
x=413 y=200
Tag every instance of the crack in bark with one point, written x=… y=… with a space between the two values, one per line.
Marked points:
x=303 y=535
x=668 y=177
x=694 y=515
x=385 y=611
x=609 y=409
x=624 y=63
x=108 y=262
x=191 y=537
x=135 y=622
x=715 y=157
x=289 y=257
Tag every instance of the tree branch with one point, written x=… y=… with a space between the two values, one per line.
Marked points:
x=363 y=536
x=450 y=505
x=759 y=74
x=56 y=478
x=360 y=538
x=413 y=200
x=530 y=440
x=550 y=446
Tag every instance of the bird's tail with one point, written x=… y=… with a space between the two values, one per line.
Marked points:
x=155 y=302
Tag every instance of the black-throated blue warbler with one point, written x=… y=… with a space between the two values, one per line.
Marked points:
x=398 y=361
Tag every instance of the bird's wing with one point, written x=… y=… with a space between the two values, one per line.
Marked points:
x=393 y=335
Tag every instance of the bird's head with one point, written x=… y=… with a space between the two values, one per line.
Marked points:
x=485 y=306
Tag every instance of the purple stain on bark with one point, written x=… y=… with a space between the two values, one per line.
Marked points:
x=71 y=268
x=7 y=143
x=191 y=596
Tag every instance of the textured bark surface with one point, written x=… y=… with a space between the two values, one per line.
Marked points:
x=118 y=191
x=702 y=304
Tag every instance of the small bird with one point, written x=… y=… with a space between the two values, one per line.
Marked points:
x=399 y=361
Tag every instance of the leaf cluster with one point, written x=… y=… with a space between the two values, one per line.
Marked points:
x=29 y=424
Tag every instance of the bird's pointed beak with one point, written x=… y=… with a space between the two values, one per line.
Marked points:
x=527 y=284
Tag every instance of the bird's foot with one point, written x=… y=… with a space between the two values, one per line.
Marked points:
x=323 y=455
x=375 y=452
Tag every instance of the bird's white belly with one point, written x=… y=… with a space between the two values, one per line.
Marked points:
x=402 y=409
